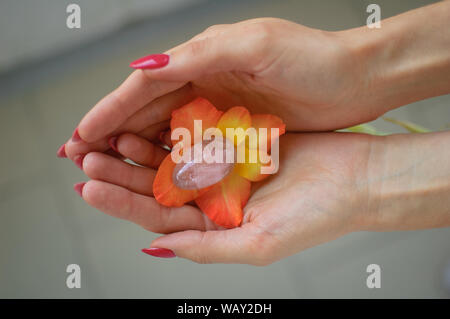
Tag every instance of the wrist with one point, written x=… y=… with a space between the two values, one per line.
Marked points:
x=408 y=182
x=406 y=60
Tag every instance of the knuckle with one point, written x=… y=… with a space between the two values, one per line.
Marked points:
x=159 y=223
x=129 y=210
x=163 y=220
x=117 y=101
x=200 y=255
x=263 y=248
x=128 y=178
x=202 y=259
x=210 y=32
x=259 y=44
x=261 y=34
x=213 y=28
x=197 y=47
x=150 y=156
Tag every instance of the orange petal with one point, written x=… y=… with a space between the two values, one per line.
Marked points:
x=268 y=121
x=236 y=117
x=224 y=201
x=165 y=191
x=198 y=109
x=251 y=168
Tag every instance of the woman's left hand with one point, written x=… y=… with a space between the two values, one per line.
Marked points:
x=317 y=195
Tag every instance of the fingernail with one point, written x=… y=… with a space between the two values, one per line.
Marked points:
x=78 y=187
x=113 y=143
x=78 y=160
x=161 y=136
x=76 y=136
x=159 y=252
x=164 y=138
x=153 y=61
x=61 y=151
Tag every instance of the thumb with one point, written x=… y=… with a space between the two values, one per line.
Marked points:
x=238 y=245
x=205 y=55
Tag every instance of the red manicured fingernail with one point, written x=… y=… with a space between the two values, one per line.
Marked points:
x=61 y=151
x=159 y=252
x=153 y=61
x=78 y=160
x=76 y=136
x=113 y=143
x=78 y=187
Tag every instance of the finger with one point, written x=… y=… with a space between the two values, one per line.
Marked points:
x=142 y=210
x=114 y=154
x=78 y=148
x=114 y=109
x=140 y=150
x=212 y=53
x=157 y=111
x=150 y=133
x=105 y=168
x=238 y=245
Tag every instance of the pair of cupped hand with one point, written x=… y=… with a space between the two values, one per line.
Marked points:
x=307 y=77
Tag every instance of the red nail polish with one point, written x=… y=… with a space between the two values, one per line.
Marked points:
x=76 y=136
x=113 y=143
x=61 y=151
x=159 y=252
x=78 y=160
x=153 y=61
x=78 y=187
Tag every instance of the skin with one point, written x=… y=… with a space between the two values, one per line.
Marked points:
x=315 y=81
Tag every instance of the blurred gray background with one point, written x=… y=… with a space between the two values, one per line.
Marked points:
x=51 y=75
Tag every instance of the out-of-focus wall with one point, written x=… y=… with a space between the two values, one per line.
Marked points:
x=34 y=30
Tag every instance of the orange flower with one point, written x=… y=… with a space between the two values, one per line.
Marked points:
x=224 y=201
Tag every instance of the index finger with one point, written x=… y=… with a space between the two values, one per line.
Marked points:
x=111 y=111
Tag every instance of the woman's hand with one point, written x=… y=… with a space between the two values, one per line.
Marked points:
x=328 y=185
x=314 y=80
x=316 y=196
x=305 y=76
